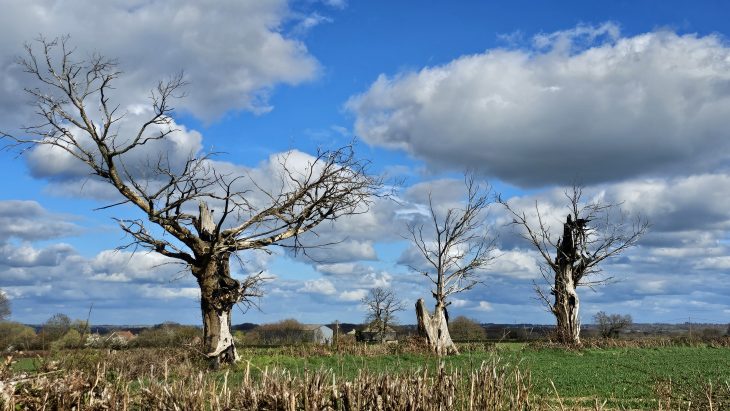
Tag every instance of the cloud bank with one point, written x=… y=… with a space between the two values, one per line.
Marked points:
x=583 y=104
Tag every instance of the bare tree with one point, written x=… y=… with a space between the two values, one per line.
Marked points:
x=382 y=304
x=4 y=306
x=78 y=118
x=456 y=252
x=592 y=233
x=610 y=325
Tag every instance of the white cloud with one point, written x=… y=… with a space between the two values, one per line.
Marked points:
x=28 y=220
x=483 y=306
x=164 y=293
x=588 y=104
x=318 y=286
x=233 y=53
x=353 y=295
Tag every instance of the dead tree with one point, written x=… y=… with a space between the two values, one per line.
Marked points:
x=382 y=304
x=72 y=98
x=592 y=233
x=456 y=253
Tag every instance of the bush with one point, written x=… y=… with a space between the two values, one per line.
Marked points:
x=465 y=329
x=71 y=339
x=286 y=332
x=168 y=335
x=610 y=325
x=16 y=336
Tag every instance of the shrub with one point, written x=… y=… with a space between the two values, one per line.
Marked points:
x=16 y=336
x=465 y=329
x=610 y=325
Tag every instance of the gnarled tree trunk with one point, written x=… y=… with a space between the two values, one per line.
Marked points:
x=566 y=307
x=218 y=294
x=434 y=328
x=567 y=304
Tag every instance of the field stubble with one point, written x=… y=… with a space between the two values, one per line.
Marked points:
x=484 y=377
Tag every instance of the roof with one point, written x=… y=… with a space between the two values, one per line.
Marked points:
x=126 y=334
x=370 y=329
x=312 y=327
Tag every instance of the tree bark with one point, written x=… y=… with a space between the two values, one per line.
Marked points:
x=434 y=328
x=567 y=305
x=218 y=294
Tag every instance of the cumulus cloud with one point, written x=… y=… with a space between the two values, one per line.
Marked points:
x=28 y=220
x=318 y=286
x=584 y=103
x=354 y=295
x=233 y=53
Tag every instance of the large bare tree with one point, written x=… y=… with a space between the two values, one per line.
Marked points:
x=382 y=305
x=592 y=232
x=456 y=248
x=72 y=98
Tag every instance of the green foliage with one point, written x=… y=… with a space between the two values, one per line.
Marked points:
x=288 y=331
x=54 y=328
x=169 y=335
x=16 y=336
x=465 y=329
x=71 y=339
x=4 y=306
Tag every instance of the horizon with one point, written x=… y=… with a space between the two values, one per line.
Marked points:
x=628 y=99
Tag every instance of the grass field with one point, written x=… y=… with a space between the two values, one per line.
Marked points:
x=626 y=378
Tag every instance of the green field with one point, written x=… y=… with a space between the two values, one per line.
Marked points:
x=626 y=378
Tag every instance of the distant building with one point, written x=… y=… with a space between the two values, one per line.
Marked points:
x=373 y=334
x=317 y=333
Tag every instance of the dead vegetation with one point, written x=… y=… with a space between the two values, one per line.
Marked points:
x=179 y=379
x=176 y=382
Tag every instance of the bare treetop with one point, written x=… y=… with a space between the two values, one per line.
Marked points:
x=455 y=246
x=80 y=120
x=206 y=214
x=456 y=249
x=604 y=231
x=592 y=232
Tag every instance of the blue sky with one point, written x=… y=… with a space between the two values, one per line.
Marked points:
x=632 y=95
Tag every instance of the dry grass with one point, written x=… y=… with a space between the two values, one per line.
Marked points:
x=179 y=380
x=174 y=381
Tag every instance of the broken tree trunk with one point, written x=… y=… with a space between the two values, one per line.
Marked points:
x=219 y=292
x=434 y=328
x=566 y=308
x=567 y=304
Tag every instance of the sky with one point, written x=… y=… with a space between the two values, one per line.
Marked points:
x=628 y=98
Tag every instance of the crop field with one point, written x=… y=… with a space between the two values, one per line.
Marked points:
x=517 y=376
x=624 y=377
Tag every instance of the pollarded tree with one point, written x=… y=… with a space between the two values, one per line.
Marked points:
x=592 y=233
x=78 y=118
x=382 y=305
x=456 y=252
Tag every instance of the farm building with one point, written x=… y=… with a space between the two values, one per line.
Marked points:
x=372 y=334
x=317 y=333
